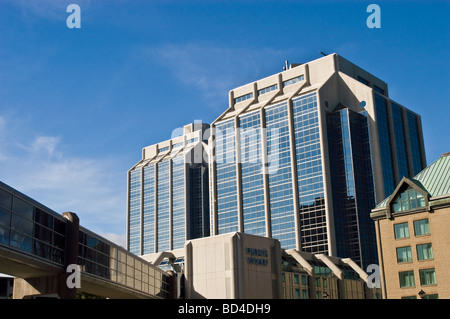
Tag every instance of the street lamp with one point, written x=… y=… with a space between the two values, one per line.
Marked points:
x=422 y=294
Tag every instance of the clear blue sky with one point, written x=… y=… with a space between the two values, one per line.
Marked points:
x=78 y=105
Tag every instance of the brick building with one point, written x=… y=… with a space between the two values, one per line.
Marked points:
x=412 y=229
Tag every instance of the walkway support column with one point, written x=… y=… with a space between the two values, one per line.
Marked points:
x=72 y=240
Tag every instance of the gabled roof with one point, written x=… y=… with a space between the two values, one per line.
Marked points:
x=434 y=179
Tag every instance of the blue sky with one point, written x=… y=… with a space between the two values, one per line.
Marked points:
x=78 y=105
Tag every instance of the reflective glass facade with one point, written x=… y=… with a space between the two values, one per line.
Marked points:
x=414 y=142
x=199 y=202
x=168 y=198
x=227 y=215
x=149 y=208
x=407 y=200
x=332 y=151
x=30 y=229
x=252 y=177
x=100 y=258
x=400 y=141
x=384 y=134
x=364 y=185
x=352 y=185
x=134 y=224
x=178 y=203
x=163 y=218
x=313 y=224
x=280 y=175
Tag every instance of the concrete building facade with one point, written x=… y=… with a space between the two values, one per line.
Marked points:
x=412 y=235
x=244 y=266
x=303 y=155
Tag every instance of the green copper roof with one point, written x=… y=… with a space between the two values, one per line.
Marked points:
x=434 y=179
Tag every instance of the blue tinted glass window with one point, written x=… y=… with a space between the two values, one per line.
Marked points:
x=227 y=217
x=252 y=177
x=243 y=97
x=134 y=211
x=363 y=80
x=199 y=202
x=352 y=185
x=400 y=141
x=385 y=144
x=268 y=89
x=5 y=199
x=425 y=251
x=414 y=142
x=378 y=89
x=163 y=206
x=401 y=231
x=421 y=227
x=177 y=145
x=313 y=226
x=280 y=175
x=427 y=276
x=404 y=254
x=23 y=208
x=178 y=203
x=294 y=80
x=406 y=279
x=407 y=200
x=149 y=210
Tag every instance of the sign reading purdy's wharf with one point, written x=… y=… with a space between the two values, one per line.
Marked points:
x=257 y=256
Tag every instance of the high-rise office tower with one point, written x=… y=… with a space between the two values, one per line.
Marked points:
x=168 y=199
x=305 y=154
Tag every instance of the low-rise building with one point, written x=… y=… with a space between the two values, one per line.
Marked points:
x=412 y=229
x=244 y=266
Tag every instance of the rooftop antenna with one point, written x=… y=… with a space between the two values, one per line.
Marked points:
x=324 y=54
x=286 y=65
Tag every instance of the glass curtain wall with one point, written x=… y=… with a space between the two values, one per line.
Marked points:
x=163 y=189
x=178 y=203
x=414 y=142
x=135 y=211
x=352 y=184
x=252 y=177
x=280 y=175
x=149 y=210
x=227 y=215
x=400 y=142
x=313 y=225
x=385 y=143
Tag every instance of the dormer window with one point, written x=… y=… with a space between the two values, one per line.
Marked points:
x=407 y=200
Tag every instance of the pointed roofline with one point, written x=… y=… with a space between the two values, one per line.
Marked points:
x=433 y=182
